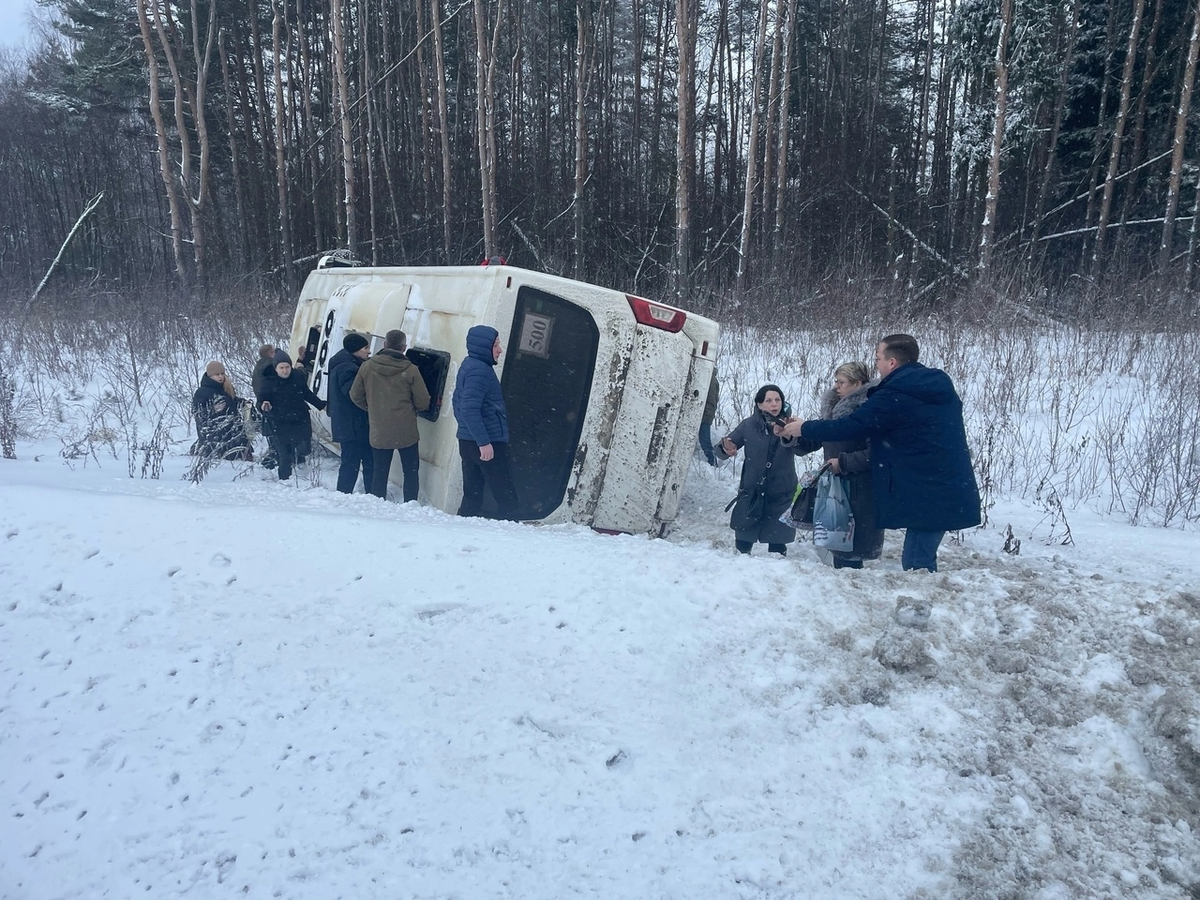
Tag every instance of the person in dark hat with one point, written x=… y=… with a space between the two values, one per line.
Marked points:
x=284 y=400
x=348 y=423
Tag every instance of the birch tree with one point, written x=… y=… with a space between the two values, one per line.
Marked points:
x=349 y=186
x=994 y=160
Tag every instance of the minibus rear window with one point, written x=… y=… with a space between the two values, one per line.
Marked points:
x=547 y=381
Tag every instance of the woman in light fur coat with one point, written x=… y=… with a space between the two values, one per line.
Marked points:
x=852 y=461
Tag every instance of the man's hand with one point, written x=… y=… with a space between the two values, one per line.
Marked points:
x=266 y=406
x=834 y=466
x=486 y=452
x=791 y=429
x=729 y=447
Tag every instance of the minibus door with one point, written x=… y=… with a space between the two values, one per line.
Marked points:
x=548 y=368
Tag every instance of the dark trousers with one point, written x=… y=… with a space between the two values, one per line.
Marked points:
x=495 y=474
x=410 y=461
x=845 y=562
x=355 y=455
x=706 y=443
x=920 y=549
x=747 y=546
x=288 y=449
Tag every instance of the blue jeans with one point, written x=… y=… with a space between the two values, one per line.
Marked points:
x=920 y=549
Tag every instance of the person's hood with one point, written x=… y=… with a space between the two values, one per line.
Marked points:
x=389 y=363
x=479 y=343
x=927 y=385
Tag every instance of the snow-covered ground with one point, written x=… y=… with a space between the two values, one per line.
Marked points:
x=246 y=688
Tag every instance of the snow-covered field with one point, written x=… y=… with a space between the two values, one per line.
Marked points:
x=246 y=688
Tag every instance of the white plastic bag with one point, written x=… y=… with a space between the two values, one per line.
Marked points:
x=833 y=522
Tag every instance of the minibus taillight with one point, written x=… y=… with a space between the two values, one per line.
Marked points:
x=656 y=315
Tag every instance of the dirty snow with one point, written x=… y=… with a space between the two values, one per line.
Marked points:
x=246 y=688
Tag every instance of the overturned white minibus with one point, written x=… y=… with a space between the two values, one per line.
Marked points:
x=604 y=390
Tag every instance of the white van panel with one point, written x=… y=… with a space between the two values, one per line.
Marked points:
x=640 y=415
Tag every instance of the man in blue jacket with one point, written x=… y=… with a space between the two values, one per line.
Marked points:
x=348 y=423
x=483 y=427
x=920 y=465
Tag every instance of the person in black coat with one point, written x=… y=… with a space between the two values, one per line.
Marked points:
x=851 y=460
x=769 y=464
x=348 y=423
x=220 y=432
x=920 y=465
x=266 y=362
x=284 y=400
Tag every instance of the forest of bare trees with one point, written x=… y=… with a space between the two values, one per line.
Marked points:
x=686 y=148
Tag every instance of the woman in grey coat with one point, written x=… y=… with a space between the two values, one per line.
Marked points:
x=769 y=463
x=851 y=460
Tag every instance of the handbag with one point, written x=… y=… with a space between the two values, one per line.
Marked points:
x=800 y=514
x=833 y=521
x=747 y=516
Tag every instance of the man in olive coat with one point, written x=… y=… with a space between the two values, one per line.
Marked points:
x=392 y=391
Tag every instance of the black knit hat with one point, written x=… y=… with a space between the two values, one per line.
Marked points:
x=354 y=342
x=281 y=357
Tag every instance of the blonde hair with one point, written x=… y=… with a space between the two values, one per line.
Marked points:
x=853 y=371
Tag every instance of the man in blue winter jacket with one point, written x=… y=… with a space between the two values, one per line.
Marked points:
x=920 y=465
x=483 y=427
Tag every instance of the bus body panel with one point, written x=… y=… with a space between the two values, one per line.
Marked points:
x=604 y=411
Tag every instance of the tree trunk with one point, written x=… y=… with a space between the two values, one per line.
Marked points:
x=164 y=153
x=781 y=173
x=343 y=107
x=281 y=180
x=485 y=71
x=993 y=178
x=1056 y=129
x=1181 y=119
x=1114 y=156
x=686 y=20
x=752 y=148
x=585 y=49
x=443 y=125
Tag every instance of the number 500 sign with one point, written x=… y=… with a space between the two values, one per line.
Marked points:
x=535 y=334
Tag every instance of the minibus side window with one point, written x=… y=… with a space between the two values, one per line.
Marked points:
x=434 y=366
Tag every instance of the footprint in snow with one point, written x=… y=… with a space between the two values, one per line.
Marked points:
x=173 y=571
x=220 y=559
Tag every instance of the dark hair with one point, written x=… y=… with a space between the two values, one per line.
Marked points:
x=901 y=347
x=762 y=393
x=395 y=340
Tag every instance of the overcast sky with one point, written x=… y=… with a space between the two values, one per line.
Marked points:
x=14 y=21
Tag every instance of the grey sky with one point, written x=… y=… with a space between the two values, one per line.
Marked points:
x=14 y=21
